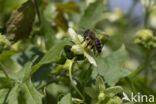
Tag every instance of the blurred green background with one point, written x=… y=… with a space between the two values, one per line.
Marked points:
x=33 y=28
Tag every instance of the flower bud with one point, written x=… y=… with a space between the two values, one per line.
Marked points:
x=144 y=34
x=145 y=39
x=101 y=96
x=116 y=15
x=4 y=42
x=115 y=100
x=67 y=64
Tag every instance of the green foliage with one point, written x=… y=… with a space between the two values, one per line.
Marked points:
x=101 y=95
x=20 y=87
x=54 y=54
x=44 y=58
x=92 y=15
x=68 y=7
x=21 y=21
x=66 y=99
x=115 y=100
x=4 y=43
x=146 y=39
x=113 y=63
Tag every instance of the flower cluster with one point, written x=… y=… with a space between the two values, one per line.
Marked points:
x=4 y=43
x=79 y=48
x=146 y=39
x=103 y=95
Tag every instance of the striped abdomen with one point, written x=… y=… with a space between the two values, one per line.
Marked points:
x=98 y=45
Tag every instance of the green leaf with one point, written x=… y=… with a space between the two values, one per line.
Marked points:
x=4 y=43
x=55 y=89
x=5 y=59
x=3 y=83
x=22 y=89
x=61 y=21
x=111 y=66
x=47 y=30
x=54 y=54
x=68 y=7
x=24 y=93
x=24 y=74
x=100 y=84
x=91 y=16
x=33 y=93
x=20 y=23
x=112 y=91
x=13 y=95
x=91 y=92
x=67 y=99
x=3 y=93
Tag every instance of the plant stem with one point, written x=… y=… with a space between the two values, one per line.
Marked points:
x=4 y=71
x=147 y=13
x=88 y=74
x=131 y=83
x=145 y=65
x=146 y=18
x=72 y=82
x=37 y=10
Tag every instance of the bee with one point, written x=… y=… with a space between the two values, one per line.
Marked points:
x=90 y=36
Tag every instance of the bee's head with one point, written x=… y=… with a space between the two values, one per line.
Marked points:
x=86 y=33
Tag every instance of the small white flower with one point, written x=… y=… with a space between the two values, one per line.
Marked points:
x=80 y=38
x=147 y=3
x=60 y=35
x=90 y=59
x=152 y=21
x=77 y=49
x=74 y=36
x=101 y=96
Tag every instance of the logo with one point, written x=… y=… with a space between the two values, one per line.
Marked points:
x=137 y=98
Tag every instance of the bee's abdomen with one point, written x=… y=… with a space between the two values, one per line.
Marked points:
x=98 y=45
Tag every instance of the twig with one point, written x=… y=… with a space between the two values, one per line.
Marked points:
x=72 y=82
x=145 y=65
x=37 y=10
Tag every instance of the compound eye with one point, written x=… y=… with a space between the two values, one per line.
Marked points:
x=86 y=33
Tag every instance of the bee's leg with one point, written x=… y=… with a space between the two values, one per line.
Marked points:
x=83 y=41
x=88 y=44
x=94 y=50
x=92 y=47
